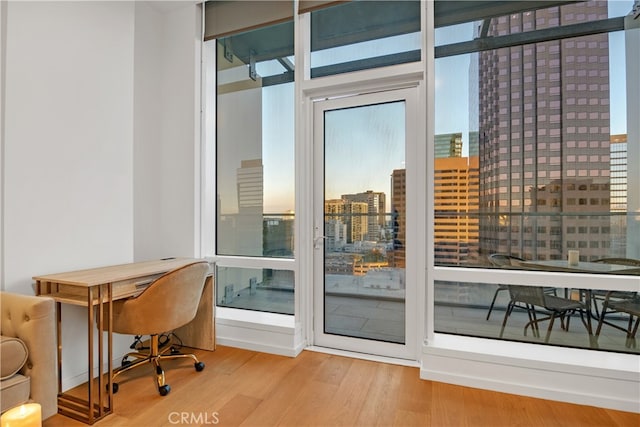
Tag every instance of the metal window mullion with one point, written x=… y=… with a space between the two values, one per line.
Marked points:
x=536 y=36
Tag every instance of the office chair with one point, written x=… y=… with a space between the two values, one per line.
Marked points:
x=170 y=302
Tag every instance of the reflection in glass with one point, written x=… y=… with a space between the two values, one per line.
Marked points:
x=364 y=222
x=266 y=289
x=254 y=139
x=354 y=36
x=543 y=165
x=542 y=173
x=461 y=308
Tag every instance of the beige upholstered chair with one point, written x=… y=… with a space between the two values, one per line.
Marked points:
x=28 y=326
x=169 y=302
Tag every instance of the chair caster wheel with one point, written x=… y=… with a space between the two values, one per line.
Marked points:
x=174 y=350
x=125 y=362
x=199 y=366
x=164 y=390
x=114 y=387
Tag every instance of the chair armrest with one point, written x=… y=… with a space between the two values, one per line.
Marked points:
x=32 y=319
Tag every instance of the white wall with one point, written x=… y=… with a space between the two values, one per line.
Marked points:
x=167 y=130
x=3 y=28
x=68 y=162
x=99 y=143
x=68 y=135
x=147 y=152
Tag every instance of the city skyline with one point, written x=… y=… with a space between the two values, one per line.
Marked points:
x=360 y=140
x=452 y=116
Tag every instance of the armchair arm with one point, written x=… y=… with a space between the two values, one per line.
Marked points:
x=32 y=319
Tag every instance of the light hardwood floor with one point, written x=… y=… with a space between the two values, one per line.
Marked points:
x=246 y=388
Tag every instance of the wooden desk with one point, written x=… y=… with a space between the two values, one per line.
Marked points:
x=97 y=287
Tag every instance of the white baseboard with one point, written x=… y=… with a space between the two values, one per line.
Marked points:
x=585 y=377
x=261 y=347
x=263 y=332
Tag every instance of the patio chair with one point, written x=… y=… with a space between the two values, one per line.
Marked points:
x=536 y=301
x=606 y=297
x=506 y=261
x=630 y=306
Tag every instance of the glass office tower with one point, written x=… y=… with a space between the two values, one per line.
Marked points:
x=544 y=138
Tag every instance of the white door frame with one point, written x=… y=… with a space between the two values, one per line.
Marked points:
x=406 y=84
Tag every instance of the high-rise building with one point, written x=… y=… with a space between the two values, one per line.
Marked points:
x=353 y=215
x=618 y=173
x=543 y=124
x=619 y=203
x=278 y=236
x=473 y=143
x=335 y=232
x=456 y=183
x=250 y=185
x=376 y=202
x=472 y=138
x=335 y=226
x=448 y=145
x=397 y=256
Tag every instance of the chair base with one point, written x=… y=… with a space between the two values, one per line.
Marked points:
x=154 y=357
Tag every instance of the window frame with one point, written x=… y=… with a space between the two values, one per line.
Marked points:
x=498 y=276
x=302 y=261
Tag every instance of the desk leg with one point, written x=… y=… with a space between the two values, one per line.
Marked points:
x=59 y=336
x=99 y=401
x=90 y=385
x=99 y=325
x=109 y=405
x=102 y=404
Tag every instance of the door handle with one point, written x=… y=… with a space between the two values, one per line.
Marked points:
x=317 y=241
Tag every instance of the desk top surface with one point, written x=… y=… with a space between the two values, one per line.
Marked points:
x=116 y=273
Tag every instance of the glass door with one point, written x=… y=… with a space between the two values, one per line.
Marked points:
x=364 y=300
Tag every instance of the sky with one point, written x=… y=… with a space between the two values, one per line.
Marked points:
x=452 y=78
x=347 y=162
x=278 y=152
x=351 y=136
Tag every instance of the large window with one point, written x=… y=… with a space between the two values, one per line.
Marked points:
x=254 y=126
x=259 y=289
x=530 y=159
x=532 y=153
x=359 y=35
x=540 y=137
x=255 y=143
x=255 y=166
